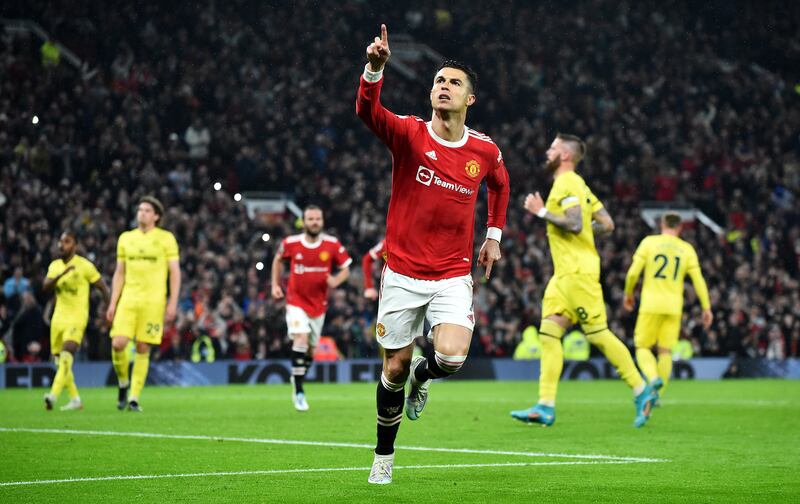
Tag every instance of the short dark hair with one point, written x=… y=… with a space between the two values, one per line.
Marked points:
x=158 y=207
x=578 y=143
x=311 y=207
x=471 y=75
x=70 y=232
x=671 y=220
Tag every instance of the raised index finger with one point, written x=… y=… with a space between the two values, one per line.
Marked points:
x=384 y=34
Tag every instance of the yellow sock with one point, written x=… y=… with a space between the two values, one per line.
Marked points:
x=647 y=363
x=64 y=369
x=141 y=363
x=618 y=355
x=72 y=389
x=552 y=361
x=119 y=358
x=664 y=368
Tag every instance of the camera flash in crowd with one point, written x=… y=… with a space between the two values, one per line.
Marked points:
x=237 y=197
x=259 y=265
x=265 y=237
x=217 y=186
x=35 y=120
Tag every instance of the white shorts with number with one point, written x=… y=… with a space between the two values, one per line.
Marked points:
x=298 y=322
x=406 y=302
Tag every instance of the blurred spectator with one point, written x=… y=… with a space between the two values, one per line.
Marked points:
x=188 y=94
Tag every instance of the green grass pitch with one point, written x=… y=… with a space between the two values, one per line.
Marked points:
x=726 y=441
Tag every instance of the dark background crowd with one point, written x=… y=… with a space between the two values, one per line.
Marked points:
x=682 y=104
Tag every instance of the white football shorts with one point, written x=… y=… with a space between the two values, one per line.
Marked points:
x=406 y=302
x=298 y=322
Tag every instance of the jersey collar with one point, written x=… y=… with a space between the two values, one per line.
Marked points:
x=446 y=143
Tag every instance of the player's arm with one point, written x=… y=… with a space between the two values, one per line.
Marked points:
x=277 y=272
x=340 y=277
x=499 y=193
x=117 y=282
x=174 y=289
x=632 y=277
x=366 y=269
x=343 y=260
x=387 y=126
x=602 y=223
x=571 y=221
x=701 y=289
x=50 y=282
x=100 y=285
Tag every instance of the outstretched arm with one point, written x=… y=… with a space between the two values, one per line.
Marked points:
x=571 y=221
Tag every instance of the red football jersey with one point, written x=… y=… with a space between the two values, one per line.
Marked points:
x=310 y=265
x=366 y=263
x=435 y=183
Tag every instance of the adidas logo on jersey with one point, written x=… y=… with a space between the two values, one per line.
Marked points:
x=432 y=155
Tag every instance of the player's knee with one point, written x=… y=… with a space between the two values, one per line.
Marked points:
x=142 y=348
x=396 y=369
x=70 y=346
x=664 y=351
x=119 y=344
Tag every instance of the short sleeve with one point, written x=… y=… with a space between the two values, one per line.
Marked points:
x=342 y=258
x=565 y=193
x=641 y=251
x=594 y=202
x=52 y=270
x=90 y=272
x=171 y=247
x=121 y=247
x=283 y=250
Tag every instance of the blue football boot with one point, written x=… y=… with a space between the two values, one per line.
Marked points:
x=541 y=414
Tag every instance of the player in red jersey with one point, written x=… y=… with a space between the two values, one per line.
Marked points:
x=438 y=167
x=366 y=268
x=313 y=255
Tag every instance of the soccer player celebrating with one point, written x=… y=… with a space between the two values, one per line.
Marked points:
x=574 y=216
x=312 y=255
x=146 y=257
x=438 y=169
x=366 y=268
x=70 y=277
x=666 y=260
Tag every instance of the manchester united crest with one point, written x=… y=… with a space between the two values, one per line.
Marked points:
x=381 y=330
x=324 y=256
x=473 y=168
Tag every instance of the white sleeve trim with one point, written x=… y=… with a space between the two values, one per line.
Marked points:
x=347 y=263
x=494 y=233
x=371 y=76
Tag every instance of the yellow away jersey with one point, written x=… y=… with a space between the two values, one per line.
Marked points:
x=573 y=253
x=146 y=257
x=72 y=290
x=666 y=261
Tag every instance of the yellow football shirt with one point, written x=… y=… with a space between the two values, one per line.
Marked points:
x=573 y=253
x=146 y=257
x=666 y=260
x=72 y=290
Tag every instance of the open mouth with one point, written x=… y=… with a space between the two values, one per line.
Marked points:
x=444 y=97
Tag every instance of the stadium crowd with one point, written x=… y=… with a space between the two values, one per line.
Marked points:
x=683 y=105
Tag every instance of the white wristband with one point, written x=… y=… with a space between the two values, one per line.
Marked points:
x=541 y=213
x=371 y=76
x=494 y=233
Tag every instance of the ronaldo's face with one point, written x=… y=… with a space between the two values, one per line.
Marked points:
x=313 y=222
x=146 y=215
x=451 y=91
